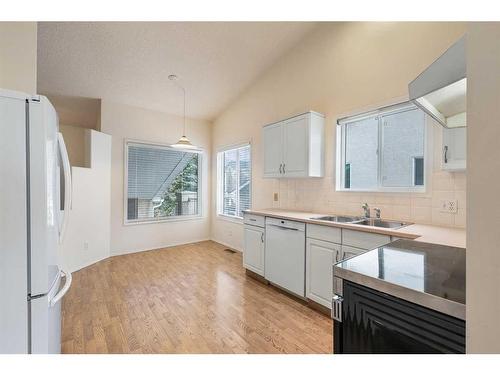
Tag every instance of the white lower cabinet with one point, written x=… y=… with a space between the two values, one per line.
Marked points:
x=254 y=249
x=277 y=253
x=320 y=257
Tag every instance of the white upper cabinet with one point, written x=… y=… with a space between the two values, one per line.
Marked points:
x=294 y=147
x=273 y=150
x=454 y=156
x=295 y=137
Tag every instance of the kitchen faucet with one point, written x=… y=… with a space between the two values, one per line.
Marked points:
x=367 y=209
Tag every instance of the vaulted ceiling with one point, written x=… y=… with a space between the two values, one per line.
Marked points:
x=129 y=62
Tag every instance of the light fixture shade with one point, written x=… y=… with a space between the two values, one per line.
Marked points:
x=184 y=143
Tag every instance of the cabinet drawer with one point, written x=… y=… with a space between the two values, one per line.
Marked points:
x=394 y=238
x=364 y=240
x=324 y=233
x=252 y=219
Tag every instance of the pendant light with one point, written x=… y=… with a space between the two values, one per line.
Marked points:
x=183 y=142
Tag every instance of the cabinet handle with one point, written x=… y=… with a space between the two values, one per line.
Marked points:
x=262 y=237
x=284 y=168
x=281 y=166
x=445 y=154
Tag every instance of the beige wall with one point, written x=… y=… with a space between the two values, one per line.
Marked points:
x=125 y=122
x=75 y=140
x=77 y=111
x=483 y=216
x=337 y=69
x=18 y=51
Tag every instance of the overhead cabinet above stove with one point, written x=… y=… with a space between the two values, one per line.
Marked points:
x=294 y=147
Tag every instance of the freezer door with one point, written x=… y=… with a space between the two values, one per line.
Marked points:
x=46 y=322
x=43 y=195
x=13 y=224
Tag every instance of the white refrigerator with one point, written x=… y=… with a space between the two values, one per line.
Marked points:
x=35 y=198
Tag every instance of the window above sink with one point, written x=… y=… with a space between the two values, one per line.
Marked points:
x=383 y=150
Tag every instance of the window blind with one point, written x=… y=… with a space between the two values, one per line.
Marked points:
x=236 y=181
x=161 y=182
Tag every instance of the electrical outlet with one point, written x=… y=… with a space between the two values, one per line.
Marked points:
x=275 y=197
x=85 y=245
x=450 y=207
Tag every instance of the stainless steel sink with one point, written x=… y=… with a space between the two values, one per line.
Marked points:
x=372 y=222
x=339 y=219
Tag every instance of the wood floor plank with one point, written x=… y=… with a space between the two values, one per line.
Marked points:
x=192 y=298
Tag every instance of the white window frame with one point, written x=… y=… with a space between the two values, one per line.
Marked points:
x=220 y=180
x=127 y=221
x=340 y=150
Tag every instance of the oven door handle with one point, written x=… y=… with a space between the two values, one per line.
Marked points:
x=337 y=308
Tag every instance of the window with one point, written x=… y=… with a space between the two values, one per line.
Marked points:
x=161 y=183
x=234 y=181
x=382 y=150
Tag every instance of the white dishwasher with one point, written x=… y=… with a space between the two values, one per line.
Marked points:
x=286 y=254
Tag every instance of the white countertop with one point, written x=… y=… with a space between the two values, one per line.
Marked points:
x=418 y=232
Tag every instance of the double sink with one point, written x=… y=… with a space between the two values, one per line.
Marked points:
x=371 y=222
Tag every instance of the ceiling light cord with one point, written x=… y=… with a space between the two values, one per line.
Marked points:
x=183 y=142
x=174 y=80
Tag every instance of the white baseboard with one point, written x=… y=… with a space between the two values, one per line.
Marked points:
x=227 y=245
x=89 y=263
x=172 y=244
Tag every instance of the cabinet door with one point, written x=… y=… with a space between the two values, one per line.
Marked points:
x=273 y=150
x=320 y=257
x=253 y=251
x=349 y=252
x=296 y=147
x=454 y=149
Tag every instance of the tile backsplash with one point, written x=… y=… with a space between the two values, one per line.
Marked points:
x=319 y=195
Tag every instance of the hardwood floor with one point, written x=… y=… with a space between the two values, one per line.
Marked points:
x=192 y=298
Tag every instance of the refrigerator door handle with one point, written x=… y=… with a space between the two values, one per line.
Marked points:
x=67 y=184
x=67 y=283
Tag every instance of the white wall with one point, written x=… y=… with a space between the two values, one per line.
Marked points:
x=18 y=53
x=483 y=163
x=126 y=122
x=337 y=69
x=87 y=238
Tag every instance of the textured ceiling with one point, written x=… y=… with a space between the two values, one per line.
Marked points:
x=129 y=62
